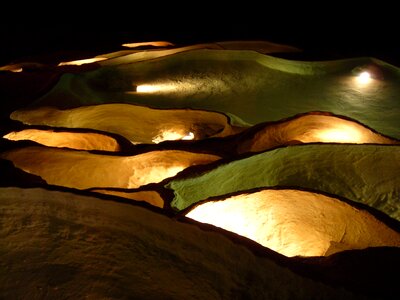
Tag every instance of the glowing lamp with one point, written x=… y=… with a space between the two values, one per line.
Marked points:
x=171 y=135
x=155 y=88
x=364 y=77
x=145 y=88
x=189 y=136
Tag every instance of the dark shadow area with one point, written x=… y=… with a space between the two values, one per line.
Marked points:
x=332 y=33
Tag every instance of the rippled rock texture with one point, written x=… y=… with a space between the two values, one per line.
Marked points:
x=200 y=172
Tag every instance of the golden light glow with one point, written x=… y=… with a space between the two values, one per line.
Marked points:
x=12 y=68
x=16 y=70
x=177 y=86
x=154 y=44
x=310 y=129
x=364 y=77
x=294 y=222
x=138 y=124
x=73 y=140
x=83 y=170
x=342 y=134
x=189 y=136
x=172 y=135
x=155 y=88
x=81 y=61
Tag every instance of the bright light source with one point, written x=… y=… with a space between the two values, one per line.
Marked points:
x=340 y=134
x=189 y=136
x=81 y=61
x=171 y=135
x=364 y=77
x=155 y=88
x=178 y=86
x=168 y=135
x=146 y=88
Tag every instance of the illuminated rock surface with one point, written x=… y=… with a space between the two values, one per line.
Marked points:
x=364 y=173
x=154 y=129
x=82 y=170
x=73 y=140
x=129 y=56
x=138 y=124
x=310 y=128
x=76 y=246
x=252 y=86
x=294 y=222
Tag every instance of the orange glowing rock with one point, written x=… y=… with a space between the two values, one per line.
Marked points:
x=82 y=170
x=154 y=44
x=81 y=61
x=296 y=223
x=312 y=128
x=138 y=124
x=73 y=140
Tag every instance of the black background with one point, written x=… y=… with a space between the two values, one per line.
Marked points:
x=326 y=31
